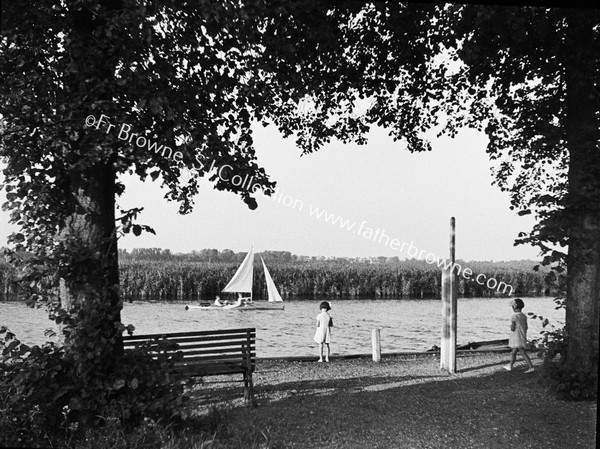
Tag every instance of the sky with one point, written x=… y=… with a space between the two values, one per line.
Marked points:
x=386 y=200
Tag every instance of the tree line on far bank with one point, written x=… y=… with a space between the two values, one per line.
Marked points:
x=156 y=274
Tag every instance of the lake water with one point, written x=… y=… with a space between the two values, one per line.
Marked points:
x=406 y=325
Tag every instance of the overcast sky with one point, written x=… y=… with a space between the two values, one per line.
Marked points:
x=387 y=192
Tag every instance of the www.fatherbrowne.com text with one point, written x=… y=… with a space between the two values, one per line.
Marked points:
x=380 y=237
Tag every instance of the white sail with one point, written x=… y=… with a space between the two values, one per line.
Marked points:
x=242 y=279
x=274 y=295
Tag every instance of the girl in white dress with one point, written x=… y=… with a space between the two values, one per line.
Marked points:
x=323 y=333
x=518 y=336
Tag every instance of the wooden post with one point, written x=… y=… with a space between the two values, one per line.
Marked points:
x=445 y=340
x=453 y=301
x=249 y=398
x=453 y=239
x=449 y=308
x=376 y=343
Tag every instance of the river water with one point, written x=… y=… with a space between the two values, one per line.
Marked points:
x=406 y=325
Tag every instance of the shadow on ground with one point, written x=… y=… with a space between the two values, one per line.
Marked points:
x=482 y=406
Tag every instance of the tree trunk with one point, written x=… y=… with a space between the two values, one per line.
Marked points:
x=91 y=289
x=91 y=278
x=583 y=198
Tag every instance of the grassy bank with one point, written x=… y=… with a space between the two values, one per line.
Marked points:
x=403 y=402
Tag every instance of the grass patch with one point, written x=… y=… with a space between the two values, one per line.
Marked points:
x=214 y=430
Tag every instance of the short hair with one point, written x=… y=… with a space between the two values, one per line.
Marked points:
x=325 y=305
x=518 y=303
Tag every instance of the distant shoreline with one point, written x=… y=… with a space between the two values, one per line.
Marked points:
x=299 y=299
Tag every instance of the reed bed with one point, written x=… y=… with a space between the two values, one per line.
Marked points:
x=177 y=280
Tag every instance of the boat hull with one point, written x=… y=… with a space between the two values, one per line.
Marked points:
x=485 y=345
x=188 y=307
x=243 y=307
x=478 y=346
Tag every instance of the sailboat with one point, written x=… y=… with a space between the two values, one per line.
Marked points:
x=242 y=282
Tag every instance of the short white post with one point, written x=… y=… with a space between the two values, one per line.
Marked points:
x=376 y=342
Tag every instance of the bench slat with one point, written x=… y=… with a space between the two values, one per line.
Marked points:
x=191 y=334
x=224 y=344
x=203 y=349
x=207 y=351
x=225 y=347
x=200 y=358
x=236 y=358
x=188 y=341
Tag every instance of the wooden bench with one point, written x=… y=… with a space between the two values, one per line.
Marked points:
x=210 y=353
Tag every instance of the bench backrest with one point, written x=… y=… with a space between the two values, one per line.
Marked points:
x=231 y=348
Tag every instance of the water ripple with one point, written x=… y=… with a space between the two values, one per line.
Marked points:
x=406 y=325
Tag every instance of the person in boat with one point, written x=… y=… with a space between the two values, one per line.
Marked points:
x=243 y=300
x=323 y=332
x=218 y=302
x=518 y=336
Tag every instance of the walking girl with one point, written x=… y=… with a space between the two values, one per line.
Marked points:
x=518 y=336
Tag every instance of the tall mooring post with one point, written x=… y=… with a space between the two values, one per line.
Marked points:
x=449 y=306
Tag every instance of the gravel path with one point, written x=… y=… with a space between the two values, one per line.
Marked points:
x=403 y=402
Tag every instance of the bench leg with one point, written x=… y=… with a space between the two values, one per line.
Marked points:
x=249 y=390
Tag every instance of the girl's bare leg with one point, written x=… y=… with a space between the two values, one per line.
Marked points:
x=320 y=352
x=526 y=357
x=327 y=352
x=513 y=357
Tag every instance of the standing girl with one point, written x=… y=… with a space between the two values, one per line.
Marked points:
x=323 y=333
x=518 y=336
